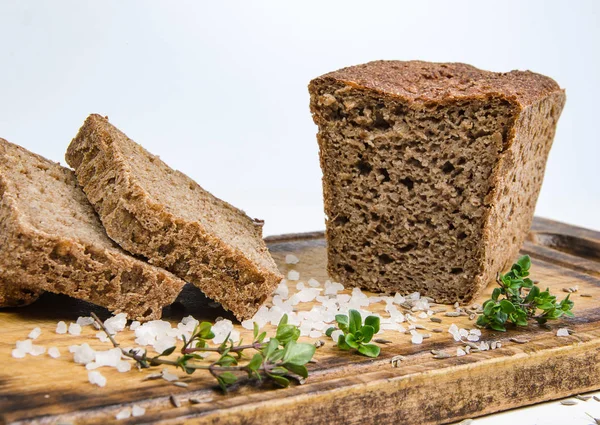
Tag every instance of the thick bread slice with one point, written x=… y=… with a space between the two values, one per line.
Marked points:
x=52 y=240
x=161 y=214
x=431 y=172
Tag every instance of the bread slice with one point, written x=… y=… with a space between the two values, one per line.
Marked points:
x=431 y=172
x=161 y=214
x=51 y=240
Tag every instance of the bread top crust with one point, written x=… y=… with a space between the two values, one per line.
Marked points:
x=430 y=82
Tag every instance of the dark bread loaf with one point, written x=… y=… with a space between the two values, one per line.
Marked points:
x=431 y=172
x=51 y=240
x=161 y=214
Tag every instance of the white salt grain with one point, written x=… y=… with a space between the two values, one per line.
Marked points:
x=25 y=346
x=116 y=323
x=123 y=366
x=37 y=350
x=34 y=333
x=248 y=324
x=53 y=352
x=313 y=283
x=108 y=358
x=102 y=336
x=315 y=334
x=417 y=338
x=335 y=335
x=135 y=324
x=293 y=275
x=291 y=259
x=562 y=332
x=74 y=329
x=168 y=376
x=460 y=352
x=18 y=353
x=61 y=328
x=83 y=354
x=124 y=414
x=85 y=321
x=96 y=378
x=137 y=411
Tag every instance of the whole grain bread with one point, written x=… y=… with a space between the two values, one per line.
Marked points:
x=51 y=240
x=161 y=214
x=431 y=172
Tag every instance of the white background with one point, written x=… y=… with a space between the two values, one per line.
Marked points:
x=218 y=89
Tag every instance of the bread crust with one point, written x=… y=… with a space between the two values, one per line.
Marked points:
x=156 y=230
x=44 y=251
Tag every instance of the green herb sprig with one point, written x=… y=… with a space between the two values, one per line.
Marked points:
x=356 y=335
x=518 y=300
x=277 y=360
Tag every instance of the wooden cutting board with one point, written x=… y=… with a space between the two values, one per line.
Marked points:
x=342 y=387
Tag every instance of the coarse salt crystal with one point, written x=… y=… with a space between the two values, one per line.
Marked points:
x=453 y=329
x=282 y=289
x=123 y=366
x=417 y=338
x=293 y=275
x=34 y=333
x=61 y=327
x=116 y=323
x=124 y=414
x=168 y=376
x=332 y=288
x=102 y=336
x=460 y=352
x=335 y=335
x=562 y=332
x=74 y=329
x=18 y=353
x=300 y=286
x=422 y=315
x=291 y=259
x=137 y=411
x=463 y=332
x=135 y=324
x=25 y=346
x=85 y=321
x=53 y=352
x=315 y=334
x=248 y=324
x=83 y=354
x=473 y=338
x=109 y=357
x=96 y=378
x=37 y=350
x=313 y=283
x=475 y=332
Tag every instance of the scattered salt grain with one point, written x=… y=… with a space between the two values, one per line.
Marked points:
x=102 y=336
x=83 y=354
x=124 y=414
x=417 y=338
x=37 y=350
x=74 y=329
x=123 y=366
x=313 y=283
x=332 y=288
x=472 y=338
x=137 y=411
x=135 y=324
x=18 y=353
x=460 y=352
x=300 y=286
x=61 y=328
x=282 y=289
x=108 y=358
x=34 y=333
x=53 y=352
x=562 y=332
x=116 y=323
x=25 y=346
x=248 y=324
x=291 y=259
x=85 y=321
x=293 y=275
x=96 y=378
x=335 y=335
x=315 y=334
x=168 y=376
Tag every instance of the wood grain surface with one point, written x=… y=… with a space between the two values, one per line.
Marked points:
x=342 y=387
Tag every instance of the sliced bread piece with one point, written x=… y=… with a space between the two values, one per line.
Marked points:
x=161 y=214
x=53 y=241
x=431 y=172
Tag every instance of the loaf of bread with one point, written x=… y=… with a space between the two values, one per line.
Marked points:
x=51 y=240
x=431 y=172
x=161 y=214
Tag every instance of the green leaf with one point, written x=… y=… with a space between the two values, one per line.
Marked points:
x=497 y=327
x=298 y=353
x=367 y=333
x=524 y=262
x=255 y=362
x=355 y=322
x=227 y=378
x=278 y=370
x=507 y=307
x=329 y=331
x=286 y=333
x=255 y=330
x=283 y=320
x=297 y=369
x=374 y=322
x=226 y=360
x=341 y=319
x=369 y=350
x=280 y=380
x=261 y=337
x=351 y=341
x=167 y=352
x=271 y=347
x=341 y=343
x=496 y=293
x=533 y=292
x=488 y=307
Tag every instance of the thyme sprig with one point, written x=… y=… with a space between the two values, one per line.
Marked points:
x=518 y=299
x=355 y=334
x=277 y=360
